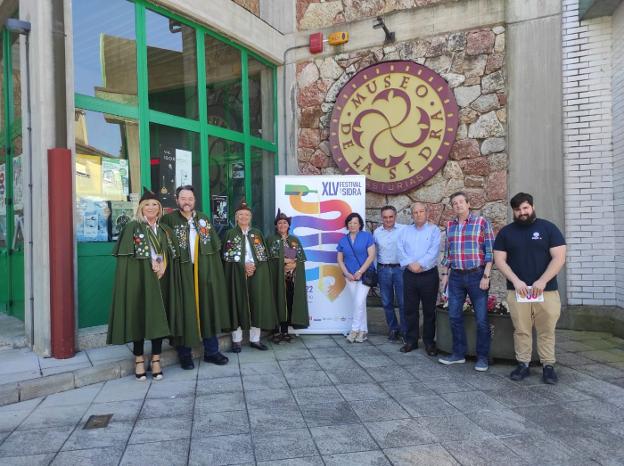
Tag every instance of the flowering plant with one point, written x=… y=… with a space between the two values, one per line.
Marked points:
x=493 y=305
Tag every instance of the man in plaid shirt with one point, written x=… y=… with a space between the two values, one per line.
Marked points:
x=468 y=260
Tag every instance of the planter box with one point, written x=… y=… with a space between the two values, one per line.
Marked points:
x=502 y=345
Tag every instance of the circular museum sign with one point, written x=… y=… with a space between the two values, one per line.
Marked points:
x=395 y=123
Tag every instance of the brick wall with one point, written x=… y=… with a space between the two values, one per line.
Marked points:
x=618 y=148
x=588 y=158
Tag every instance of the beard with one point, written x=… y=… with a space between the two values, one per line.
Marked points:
x=526 y=220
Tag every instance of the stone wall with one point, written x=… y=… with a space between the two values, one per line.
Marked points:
x=473 y=63
x=316 y=14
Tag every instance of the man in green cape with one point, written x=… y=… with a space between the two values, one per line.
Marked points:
x=204 y=301
x=249 y=281
x=287 y=262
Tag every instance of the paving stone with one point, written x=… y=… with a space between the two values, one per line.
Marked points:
x=342 y=439
x=224 y=423
x=54 y=416
x=427 y=405
x=402 y=390
x=517 y=397
x=115 y=434
x=219 y=402
x=307 y=378
x=424 y=455
x=365 y=391
x=260 y=368
x=601 y=371
x=318 y=341
x=548 y=417
x=378 y=410
x=323 y=394
x=375 y=361
x=599 y=389
x=600 y=445
x=595 y=412
x=542 y=447
x=483 y=452
x=447 y=385
x=121 y=410
x=215 y=451
x=573 y=359
x=210 y=371
x=160 y=430
x=264 y=381
x=171 y=389
x=502 y=422
x=472 y=401
x=124 y=389
x=299 y=365
x=30 y=460
x=72 y=397
x=303 y=461
x=9 y=393
x=450 y=428
x=251 y=355
x=91 y=457
x=18 y=360
x=73 y=368
x=560 y=393
x=167 y=453
x=176 y=407
x=366 y=458
x=284 y=444
x=489 y=382
x=273 y=399
x=615 y=355
x=9 y=420
x=301 y=353
x=328 y=414
x=391 y=373
x=218 y=385
x=401 y=433
x=269 y=419
x=337 y=363
x=328 y=352
x=340 y=376
x=35 y=442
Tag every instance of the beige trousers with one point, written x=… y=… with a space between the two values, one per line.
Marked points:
x=544 y=317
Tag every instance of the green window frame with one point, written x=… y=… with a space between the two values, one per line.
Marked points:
x=144 y=115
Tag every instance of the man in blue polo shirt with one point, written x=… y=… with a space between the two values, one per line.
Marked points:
x=530 y=252
x=389 y=271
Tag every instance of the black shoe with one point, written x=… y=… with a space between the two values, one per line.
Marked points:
x=431 y=350
x=186 y=362
x=549 y=376
x=393 y=335
x=258 y=345
x=521 y=372
x=407 y=347
x=277 y=338
x=236 y=347
x=217 y=358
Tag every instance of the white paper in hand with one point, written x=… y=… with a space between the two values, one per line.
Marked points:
x=529 y=298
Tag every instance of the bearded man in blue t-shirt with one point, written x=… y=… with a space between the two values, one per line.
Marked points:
x=530 y=252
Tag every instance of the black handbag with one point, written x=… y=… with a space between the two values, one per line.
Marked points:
x=369 y=277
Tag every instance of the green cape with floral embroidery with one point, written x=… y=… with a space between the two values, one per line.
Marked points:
x=141 y=302
x=205 y=308
x=251 y=298
x=300 y=317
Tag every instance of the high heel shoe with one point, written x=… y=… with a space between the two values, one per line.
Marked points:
x=156 y=375
x=139 y=375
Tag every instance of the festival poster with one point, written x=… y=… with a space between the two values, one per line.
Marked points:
x=92 y=222
x=18 y=204
x=167 y=177
x=183 y=167
x=318 y=206
x=121 y=213
x=114 y=186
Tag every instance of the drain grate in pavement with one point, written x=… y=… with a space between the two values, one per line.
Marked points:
x=98 y=421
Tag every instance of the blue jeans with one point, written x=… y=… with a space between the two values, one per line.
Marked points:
x=459 y=285
x=391 y=285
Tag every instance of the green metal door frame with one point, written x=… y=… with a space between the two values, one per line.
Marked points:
x=13 y=258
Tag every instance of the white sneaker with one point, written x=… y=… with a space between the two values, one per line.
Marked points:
x=361 y=337
x=352 y=336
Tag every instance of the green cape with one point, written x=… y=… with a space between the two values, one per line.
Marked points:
x=141 y=302
x=300 y=317
x=212 y=307
x=252 y=300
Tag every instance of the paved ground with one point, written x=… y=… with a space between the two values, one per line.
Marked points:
x=323 y=401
